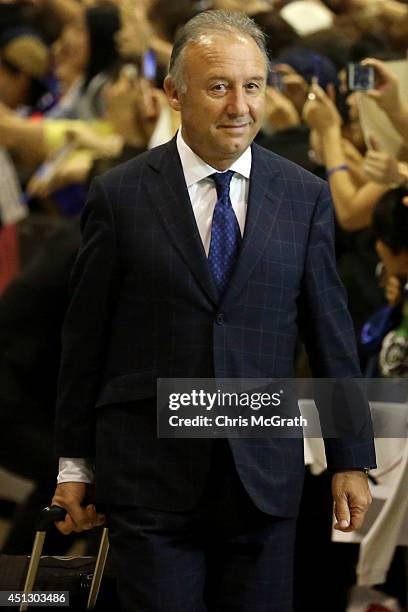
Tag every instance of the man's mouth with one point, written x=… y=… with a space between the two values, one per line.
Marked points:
x=239 y=126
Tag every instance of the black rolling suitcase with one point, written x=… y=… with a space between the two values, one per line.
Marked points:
x=57 y=581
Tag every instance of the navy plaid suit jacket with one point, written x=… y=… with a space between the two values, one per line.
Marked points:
x=144 y=306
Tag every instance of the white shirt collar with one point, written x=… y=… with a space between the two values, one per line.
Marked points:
x=195 y=169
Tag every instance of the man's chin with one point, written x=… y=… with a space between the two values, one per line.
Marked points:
x=237 y=144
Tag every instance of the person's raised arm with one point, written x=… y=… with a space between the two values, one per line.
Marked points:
x=21 y=136
x=353 y=205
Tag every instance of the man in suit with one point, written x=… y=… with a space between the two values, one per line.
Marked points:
x=201 y=258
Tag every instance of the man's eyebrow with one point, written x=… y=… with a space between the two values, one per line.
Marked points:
x=224 y=78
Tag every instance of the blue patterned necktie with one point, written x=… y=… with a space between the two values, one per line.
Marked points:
x=225 y=233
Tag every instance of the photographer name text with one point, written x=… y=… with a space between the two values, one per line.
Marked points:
x=255 y=420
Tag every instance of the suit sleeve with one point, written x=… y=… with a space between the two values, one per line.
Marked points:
x=85 y=335
x=328 y=333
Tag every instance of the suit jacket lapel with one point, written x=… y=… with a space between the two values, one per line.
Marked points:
x=264 y=201
x=170 y=196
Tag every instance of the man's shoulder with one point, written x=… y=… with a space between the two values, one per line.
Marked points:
x=287 y=169
x=132 y=169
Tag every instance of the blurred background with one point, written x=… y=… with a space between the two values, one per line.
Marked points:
x=81 y=91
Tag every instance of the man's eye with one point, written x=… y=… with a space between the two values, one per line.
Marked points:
x=219 y=87
x=252 y=86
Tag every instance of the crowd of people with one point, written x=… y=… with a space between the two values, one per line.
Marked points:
x=81 y=91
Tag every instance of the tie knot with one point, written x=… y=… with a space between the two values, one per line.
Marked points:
x=222 y=182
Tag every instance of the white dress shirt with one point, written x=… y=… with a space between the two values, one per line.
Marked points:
x=203 y=197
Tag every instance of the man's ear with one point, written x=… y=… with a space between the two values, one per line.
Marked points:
x=172 y=93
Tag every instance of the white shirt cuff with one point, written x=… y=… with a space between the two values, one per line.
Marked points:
x=75 y=470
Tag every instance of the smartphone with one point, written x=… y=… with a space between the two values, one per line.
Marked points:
x=360 y=78
x=149 y=65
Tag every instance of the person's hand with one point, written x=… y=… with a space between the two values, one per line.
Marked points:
x=279 y=110
x=74 y=170
x=393 y=290
x=386 y=92
x=83 y=136
x=72 y=496
x=122 y=98
x=133 y=107
x=295 y=86
x=150 y=102
x=379 y=166
x=136 y=32
x=351 y=497
x=320 y=112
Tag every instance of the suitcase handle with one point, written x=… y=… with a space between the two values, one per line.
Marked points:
x=49 y=515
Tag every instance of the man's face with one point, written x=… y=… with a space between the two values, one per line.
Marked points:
x=222 y=105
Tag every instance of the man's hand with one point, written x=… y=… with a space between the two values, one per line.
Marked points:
x=71 y=496
x=351 y=496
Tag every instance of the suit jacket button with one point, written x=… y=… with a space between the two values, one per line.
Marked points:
x=220 y=318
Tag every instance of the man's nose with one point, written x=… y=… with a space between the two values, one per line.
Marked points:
x=237 y=104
